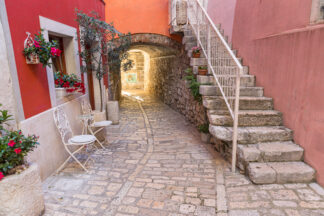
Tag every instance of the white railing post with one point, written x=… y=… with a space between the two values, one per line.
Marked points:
x=208 y=48
x=220 y=65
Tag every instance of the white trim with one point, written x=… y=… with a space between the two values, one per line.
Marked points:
x=12 y=61
x=53 y=27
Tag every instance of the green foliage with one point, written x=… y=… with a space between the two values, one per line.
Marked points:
x=204 y=128
x=4 y=117
x=193 y=84
x=14 y=146
x=203 y=67
x=13 y=156
x=44 y=49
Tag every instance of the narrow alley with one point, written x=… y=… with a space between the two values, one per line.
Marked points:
x=156 y=164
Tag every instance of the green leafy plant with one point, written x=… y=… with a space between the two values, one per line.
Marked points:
x=202 y=67
x=44 y=49
x=204 y=128
x=4 y=118
x=14 y=146
x=193 y=84
x=69 y=81
x=196 y=50
x=104 y=49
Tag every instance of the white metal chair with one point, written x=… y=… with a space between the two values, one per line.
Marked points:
x=93 y=127
x=70 y=141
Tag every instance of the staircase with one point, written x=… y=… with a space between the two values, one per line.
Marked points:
x=266 y=150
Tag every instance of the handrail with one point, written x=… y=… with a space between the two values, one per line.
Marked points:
x=218 y=62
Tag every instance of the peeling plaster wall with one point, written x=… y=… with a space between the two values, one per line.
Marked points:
x=167 y=83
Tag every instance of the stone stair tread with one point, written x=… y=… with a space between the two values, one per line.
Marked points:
x=210 y=90
x=280 y=172
x=271 y=152
x=250 y=135
x=245 y=112
x=242 y=98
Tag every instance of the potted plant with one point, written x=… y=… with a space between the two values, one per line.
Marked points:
x=193 y=84
x=204 y=132
x=202 y=70
x=38 y=50
x=20 y=183
x=66 y=84
x=196 y=52
x=105 y=51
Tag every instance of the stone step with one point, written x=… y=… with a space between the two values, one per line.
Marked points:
x=280 y=172
x=219 y=61
x=188 y=32
x=228 y=69
x=213 y=90
x=269 y=152
x=189 y=39
x=246 y=80
x=190 y=45
x=246 y=118
x=251 y=135
x=246 y=103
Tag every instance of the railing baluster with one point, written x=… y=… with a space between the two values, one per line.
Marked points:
x=220 y=59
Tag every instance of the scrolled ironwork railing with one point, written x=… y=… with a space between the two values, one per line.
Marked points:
x=222 y=62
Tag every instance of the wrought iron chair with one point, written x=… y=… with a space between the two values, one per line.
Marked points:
x=93 y=127
x=73 y=144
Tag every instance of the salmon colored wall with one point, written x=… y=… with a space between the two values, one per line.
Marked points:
x=23 y=17
x=140 y=16
x=222 y=12
x=286 y=55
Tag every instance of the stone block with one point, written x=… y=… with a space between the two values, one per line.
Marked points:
x=293 y=172
x=22 y=194
x=261 y=173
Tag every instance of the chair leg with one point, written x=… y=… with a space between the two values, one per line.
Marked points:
x=94 y=134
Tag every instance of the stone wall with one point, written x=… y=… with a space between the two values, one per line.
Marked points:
x=168 y=84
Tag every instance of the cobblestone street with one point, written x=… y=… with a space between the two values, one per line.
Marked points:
x=155 y=164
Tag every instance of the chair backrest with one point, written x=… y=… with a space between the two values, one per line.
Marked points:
x=86 y=107
x=62 y=124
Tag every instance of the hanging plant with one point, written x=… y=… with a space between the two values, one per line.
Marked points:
x=38 y=50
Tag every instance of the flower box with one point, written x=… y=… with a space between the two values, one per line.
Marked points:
x=202 y=70
x=21 y=194
x=32 y=59
x=196 y=52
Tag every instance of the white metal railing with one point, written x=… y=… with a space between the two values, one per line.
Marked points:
x=222 y=62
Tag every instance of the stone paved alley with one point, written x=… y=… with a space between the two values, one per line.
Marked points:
x=156 y=164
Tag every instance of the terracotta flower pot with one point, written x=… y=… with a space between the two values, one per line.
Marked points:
x=202 y=72
x=21 y=194
x=196 y=55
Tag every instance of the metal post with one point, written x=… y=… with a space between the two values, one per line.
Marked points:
x=198 y=23
x=208 y=47
x=236 y=110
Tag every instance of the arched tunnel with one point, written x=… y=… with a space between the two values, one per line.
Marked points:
x=159 y=65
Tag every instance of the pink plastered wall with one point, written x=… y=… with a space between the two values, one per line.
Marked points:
x=222 y=12
x=286 y=55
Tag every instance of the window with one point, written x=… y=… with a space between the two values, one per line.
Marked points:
x=69 y=61
x=59 y=62
x=317 y=12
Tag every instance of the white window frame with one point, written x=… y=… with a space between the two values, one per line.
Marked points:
x=316 y=17
x=59 y=29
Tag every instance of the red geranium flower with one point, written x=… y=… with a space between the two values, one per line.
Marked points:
x=11 y=143
x=36 y=44
x=17 y=150
x=1 y=175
